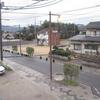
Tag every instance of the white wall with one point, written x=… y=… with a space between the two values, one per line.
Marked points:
x=99 y=48
x=83 y=50
x=98 y=33
x=92 y=32
x=72 y=48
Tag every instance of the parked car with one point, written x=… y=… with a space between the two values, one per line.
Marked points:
x=2 y=70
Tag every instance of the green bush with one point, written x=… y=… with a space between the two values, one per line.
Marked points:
x=71 y=71
x=30 y=51
x=61 y=52
x=70 y=82
x=29 y=37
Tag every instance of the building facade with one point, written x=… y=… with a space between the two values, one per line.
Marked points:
x=89 y=43
x=55 y=38
x=43 y=37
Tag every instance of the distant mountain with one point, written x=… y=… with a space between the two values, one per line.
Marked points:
x=10 y=28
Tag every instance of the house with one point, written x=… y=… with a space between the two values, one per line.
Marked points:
x=89 y=43
x=43 y=37
x=8 y=36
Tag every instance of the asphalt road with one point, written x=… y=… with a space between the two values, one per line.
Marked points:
x=35 y=63
x=42 y=66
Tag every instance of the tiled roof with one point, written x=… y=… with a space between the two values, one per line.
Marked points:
x=93 y=25
x=84 y=38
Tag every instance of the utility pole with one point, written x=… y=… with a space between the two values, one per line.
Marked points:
x=50 y=53
x=1 y=50
x=74 y=29
x=50 y=42
x=20 y=39
x=35 y=30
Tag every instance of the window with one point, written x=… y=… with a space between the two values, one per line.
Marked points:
x=91 y=46
x=77 y=46
x=95 y=33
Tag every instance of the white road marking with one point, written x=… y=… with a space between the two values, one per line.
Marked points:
x=97 y=90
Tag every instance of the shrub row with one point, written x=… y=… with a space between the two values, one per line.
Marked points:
x=60 y=52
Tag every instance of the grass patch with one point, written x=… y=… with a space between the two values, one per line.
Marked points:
x=70 y=82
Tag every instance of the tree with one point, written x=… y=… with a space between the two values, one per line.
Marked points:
x=46 y=25
x=30 y=51
x=27 y=33
x=15 y=48
x=31 y=28
x=71 y=71
x=66 y=30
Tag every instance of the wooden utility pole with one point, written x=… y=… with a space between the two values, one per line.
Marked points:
x=20 y=39
x=1 y=50
x=50 y=42
x=50 y=53
x=35 y=30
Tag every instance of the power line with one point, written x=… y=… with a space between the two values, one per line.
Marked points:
x=67 y=19
x=26 y=13
x=21 y=18
x=85 y=8
x=9 y=7
x=52 y=2
x=45 y=5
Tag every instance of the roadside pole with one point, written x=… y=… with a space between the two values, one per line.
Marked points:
x=50 y=42
x=1 y=50
x=20 y=39
x=35 y=30
x=50 y=53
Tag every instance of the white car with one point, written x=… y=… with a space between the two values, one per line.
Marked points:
x=2 y=70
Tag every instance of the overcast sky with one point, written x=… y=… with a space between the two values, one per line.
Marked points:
x=78 y=17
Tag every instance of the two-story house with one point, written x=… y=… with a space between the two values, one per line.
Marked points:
x=89 y=43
